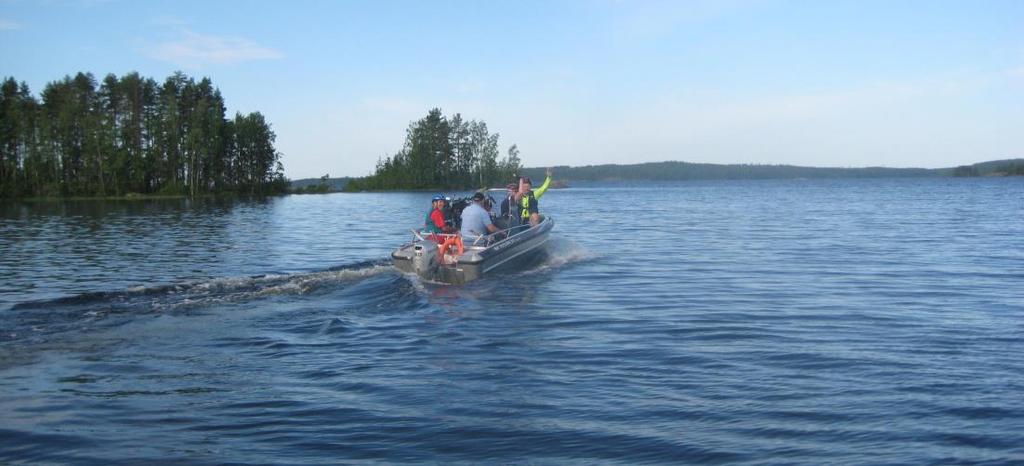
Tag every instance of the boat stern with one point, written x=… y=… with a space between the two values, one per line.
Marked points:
x=419 y=258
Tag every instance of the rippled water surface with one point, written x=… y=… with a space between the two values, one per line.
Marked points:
x=802 y=321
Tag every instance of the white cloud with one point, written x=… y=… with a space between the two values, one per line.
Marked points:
x=8 y=25
x=194 y=50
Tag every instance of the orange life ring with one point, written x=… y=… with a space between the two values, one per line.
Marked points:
x=447 y=244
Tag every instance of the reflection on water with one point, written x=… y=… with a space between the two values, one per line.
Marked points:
x=63 y=248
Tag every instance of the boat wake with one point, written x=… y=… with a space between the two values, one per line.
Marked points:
x=565 y=252
x=36 y=319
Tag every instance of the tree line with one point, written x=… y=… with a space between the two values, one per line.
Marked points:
x=131 y=135
x=443 y=153
x=671 y=171
x=1011 y=167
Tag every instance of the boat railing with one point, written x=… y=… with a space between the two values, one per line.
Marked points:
x=511 y=231
x=423 y=235
x=505 y=234
x=481 y=241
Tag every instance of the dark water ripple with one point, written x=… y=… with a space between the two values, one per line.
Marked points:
x=786 y=322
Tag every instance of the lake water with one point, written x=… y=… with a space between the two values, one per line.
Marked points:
x=795 y=322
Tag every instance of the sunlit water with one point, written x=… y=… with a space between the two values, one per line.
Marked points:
x=803 y=321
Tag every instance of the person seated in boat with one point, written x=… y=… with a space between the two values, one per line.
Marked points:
x=476 y=222
x=434 y=222
x=449 y=217
x=529 y=207
x=509 y=214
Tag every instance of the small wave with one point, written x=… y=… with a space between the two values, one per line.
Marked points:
x=563 y=252
x=40 y=318
x=303 y=283
x=256 y=285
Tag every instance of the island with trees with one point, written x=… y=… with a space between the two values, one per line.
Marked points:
x=443 y=153
x=131 y=136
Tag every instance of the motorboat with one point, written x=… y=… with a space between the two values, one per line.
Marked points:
x=437 y=257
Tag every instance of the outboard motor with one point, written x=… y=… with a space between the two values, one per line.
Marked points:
x=425 y=260
x=456 y=207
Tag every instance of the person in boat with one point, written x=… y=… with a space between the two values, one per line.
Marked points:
x=476 y=222
x=434 y=222
x=508 y=216
x=529 y=207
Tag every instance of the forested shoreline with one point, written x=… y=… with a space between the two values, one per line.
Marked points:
x=131 y=136
x=681 y=171
x=443 y=153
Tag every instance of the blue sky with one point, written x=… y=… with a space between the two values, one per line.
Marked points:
x=822 y=83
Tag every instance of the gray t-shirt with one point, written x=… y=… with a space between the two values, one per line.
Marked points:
x=474 y=221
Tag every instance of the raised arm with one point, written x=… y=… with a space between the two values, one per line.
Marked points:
x=544 y=187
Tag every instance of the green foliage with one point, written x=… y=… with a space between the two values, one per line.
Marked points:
x=131 y=135
x=443 y=153
x=965 y=171
x=171 y=189
x=1011 y=169
x=323 y=186
x=318 y=185
x=314 y=189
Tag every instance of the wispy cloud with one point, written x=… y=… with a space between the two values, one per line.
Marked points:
x=8 y=25
x=194 y=50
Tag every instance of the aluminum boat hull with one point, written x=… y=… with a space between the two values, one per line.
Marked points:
x=515 y=251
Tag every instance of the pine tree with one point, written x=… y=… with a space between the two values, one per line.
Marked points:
x=131 y=135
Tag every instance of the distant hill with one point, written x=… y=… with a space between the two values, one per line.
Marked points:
x=676 y=171
x=664 y=171
x=1008 y=167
